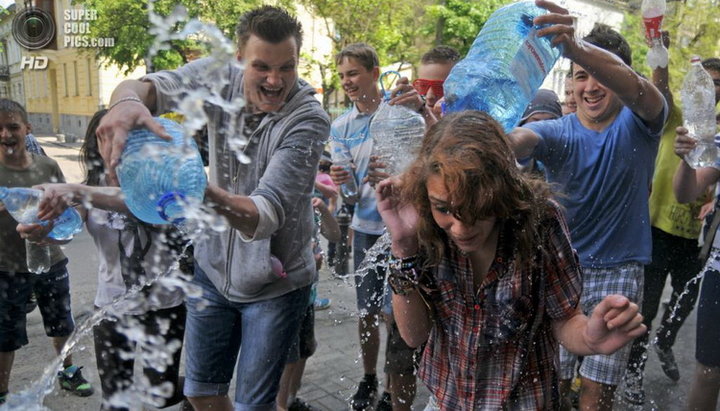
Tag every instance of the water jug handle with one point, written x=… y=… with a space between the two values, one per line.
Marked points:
x=386 y=94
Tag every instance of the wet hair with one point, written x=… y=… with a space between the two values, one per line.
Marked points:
x=12 y=106
x=271 y=24
x=712 y=63
x=440 y=55
x=606 y=38
x=364 y=53
x=471 y=153
x=90 y=159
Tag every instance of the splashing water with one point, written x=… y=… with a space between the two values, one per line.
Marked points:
x=157 y=352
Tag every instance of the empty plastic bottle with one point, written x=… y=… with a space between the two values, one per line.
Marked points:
x=397 y=134
x=348 y=189
x=698 y=101
x=653 y=12
x=37 y=257
x=505 y=66
x=22 y=204
x=163 y=181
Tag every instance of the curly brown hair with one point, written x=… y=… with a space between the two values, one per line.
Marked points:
x=472 y=154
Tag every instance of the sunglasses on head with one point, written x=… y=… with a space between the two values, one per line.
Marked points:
x=422 y=86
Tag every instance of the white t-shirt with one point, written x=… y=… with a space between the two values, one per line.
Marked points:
x=108 y=231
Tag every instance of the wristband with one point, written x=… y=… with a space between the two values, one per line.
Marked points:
x=124 y=99
x=403 y=277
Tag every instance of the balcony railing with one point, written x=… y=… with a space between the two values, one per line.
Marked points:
x=4 y=72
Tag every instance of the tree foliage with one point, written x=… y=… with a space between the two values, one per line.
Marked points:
x=456 y=23
x=128 y=23
x=694 y=27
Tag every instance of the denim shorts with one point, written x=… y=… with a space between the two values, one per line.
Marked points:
x=370 y=284
x=217 y=328
x=707 y=351
x=304 y=343
x=52 y=291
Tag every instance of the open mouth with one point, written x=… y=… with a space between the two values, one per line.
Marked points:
x=9 y=145
x=351 y=90
x=592 y=100
x=271 y=92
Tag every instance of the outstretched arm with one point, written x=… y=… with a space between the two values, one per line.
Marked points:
x=638 y=94
x=131 y=105
x=613 y=323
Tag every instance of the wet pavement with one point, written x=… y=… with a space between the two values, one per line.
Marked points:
x=332 y=374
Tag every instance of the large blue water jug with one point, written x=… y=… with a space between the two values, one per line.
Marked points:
x=505 y=66
x=22 y=204
x=163 y=181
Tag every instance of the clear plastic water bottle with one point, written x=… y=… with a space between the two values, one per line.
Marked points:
x=163 y=181
x=505 y=66
x=698 y=101
x=22 y=204
x=653 y=12
x=37 y=257
x=348 y=189
x=397 y=134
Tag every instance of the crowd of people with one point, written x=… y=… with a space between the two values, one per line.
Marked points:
x=519 y=262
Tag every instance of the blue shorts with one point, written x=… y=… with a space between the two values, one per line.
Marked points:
x=217 y=329
x=369 y=284
x=52 y=291
x=304 y=343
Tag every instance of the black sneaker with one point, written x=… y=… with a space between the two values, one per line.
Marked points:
x=365 y=396
x=300 y=405
x=634 y=392
x=385 y=402
x=667 y=362
x=71 y=379
x=3 y=397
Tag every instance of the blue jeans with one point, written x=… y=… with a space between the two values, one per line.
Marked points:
x=370 y=285
x=217 y=328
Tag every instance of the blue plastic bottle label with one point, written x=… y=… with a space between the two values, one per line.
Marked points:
x=531 y=63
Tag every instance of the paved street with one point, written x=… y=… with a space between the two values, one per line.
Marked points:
x=331 y=375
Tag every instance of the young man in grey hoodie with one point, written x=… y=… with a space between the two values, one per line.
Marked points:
x=266 y=202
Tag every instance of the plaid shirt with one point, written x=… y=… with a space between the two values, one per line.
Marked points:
x=494 y=349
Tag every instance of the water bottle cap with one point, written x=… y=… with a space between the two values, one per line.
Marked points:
x=383 y=92
x=695 y=59
x=169 y=207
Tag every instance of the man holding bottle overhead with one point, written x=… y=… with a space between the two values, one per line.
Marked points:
x=266 y=202
x=602 y=159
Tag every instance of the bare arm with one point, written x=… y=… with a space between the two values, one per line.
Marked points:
x=636 y=93
x=523 y=142
x=329 y=227
x=127 y=114
x=412 y=317
x=613 y=323
x=690 y=184
x=661 y=75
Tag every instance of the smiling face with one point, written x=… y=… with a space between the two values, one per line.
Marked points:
x=569 y=105
x=270 y=72
x=597 y=106
x=468 y=238
x=12 y=137
x=358 y=82
x=436 y=72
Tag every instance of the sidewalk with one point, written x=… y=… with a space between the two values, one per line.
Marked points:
x=332 y=374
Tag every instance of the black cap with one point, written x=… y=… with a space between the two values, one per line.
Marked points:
x=545 y=101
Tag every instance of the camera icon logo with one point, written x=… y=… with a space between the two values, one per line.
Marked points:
x=33 y=28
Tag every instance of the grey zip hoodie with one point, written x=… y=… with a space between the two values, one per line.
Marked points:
x=284 y=152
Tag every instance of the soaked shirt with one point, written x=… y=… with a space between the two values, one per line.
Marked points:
x=494 y=349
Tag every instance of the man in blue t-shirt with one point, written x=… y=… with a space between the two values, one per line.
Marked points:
x=601 y=158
